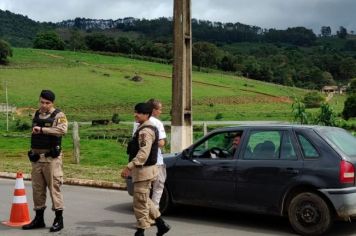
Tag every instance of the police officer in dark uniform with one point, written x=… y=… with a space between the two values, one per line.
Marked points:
x=48 y=127
x=142 y=167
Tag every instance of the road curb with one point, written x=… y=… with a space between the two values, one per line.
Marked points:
x=74 y=181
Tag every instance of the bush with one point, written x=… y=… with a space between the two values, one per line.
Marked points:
x=349 y=107
x=48 y=40
x=5 y=52
x=22 y=125
x=299 y=113
x=115 y=118
x=313 y=100
x=327 y=116
x=352 y=88
x=219 y=116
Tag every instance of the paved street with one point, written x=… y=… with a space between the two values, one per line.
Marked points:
x=92 y=212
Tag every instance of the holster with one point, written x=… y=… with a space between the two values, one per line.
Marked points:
x=34 y=157
x=55 y=151
x=131 y=149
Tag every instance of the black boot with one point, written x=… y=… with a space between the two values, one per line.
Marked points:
x=58 y=222
x=37 y=222
x=162 y=226
x=140 y=232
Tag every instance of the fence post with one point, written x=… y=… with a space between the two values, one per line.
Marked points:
x=205 y=131
x=205 y=128
x=76 y=143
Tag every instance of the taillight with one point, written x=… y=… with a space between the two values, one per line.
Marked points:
x=347 y=173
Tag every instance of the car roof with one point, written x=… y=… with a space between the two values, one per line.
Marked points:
x=269 y=126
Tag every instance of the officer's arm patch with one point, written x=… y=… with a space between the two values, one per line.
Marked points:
x=62 y=120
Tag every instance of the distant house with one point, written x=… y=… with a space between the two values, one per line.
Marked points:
x=4 y=108
x=334 y=89
x=329 y=89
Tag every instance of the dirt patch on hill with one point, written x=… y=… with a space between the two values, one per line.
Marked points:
x=242 y=100
x=51 y=55
x=25 y=111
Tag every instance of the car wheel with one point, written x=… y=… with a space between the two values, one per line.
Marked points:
x=165 y=202
x=309 y=214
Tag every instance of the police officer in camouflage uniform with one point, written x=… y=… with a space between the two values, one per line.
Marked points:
x=48 y=127
x=142 y=166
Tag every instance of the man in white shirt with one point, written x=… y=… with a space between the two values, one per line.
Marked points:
x=158 y=184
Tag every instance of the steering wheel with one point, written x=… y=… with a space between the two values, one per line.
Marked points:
x=217 y=151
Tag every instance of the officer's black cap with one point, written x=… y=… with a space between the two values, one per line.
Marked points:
x=143 y=108
x=48 y=95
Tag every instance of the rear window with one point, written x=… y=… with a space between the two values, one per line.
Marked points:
x=341 y=140
x=309 y=151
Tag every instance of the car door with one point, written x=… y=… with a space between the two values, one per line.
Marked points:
x=268 y=165
x=208 y=176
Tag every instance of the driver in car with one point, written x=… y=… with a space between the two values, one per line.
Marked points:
x=235 y=144
x=217 y=152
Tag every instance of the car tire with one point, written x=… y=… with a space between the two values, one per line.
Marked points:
x=309 y=214
x=165 y=202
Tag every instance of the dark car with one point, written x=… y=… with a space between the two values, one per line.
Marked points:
x=306 y=173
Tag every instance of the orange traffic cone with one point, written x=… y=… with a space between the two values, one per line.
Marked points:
x=19 y=211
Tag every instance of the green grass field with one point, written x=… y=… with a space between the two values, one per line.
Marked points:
x=91 y=86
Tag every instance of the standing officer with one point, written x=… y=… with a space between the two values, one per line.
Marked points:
x=143 y=151
x=158 y=184
x=48 y=127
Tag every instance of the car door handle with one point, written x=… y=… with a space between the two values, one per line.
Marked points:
x=227 y=168
x=290 y=171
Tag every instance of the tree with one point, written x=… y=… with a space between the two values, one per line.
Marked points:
x=347 y=69
x=205 y=54
x=350 y=45
x=352 y=87
x=342 y=32
x=5 y=52
x=299 y=113
x=76 y=41
x=296 y=35
x=101 y=42
x=124 y=45
x=325 y=31
x=96 y=41
x=327 y=116
x=48 y=40
x=313 y=100
x=228 y=63
x=349 y=107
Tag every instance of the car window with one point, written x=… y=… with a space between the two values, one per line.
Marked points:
x=221 y=145
x=309 y=151
x=341 y=139
x=263 y=145
x=287 y=149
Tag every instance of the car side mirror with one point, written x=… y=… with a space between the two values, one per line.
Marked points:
x=186 y=154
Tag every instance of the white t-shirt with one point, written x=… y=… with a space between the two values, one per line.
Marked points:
x=161 y=135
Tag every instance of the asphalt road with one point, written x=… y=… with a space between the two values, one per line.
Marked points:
x=93 y=212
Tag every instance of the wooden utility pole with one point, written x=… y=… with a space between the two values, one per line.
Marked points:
x=181 y=129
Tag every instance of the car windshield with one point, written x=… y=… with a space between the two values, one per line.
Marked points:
x=341 y=139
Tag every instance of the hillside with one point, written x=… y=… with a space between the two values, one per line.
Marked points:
x=91 y=86
x=19 y=30
x=295 y=56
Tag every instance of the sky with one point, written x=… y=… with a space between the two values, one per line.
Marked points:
x=278 y=14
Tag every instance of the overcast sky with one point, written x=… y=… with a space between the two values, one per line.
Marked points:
x=279 y=14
